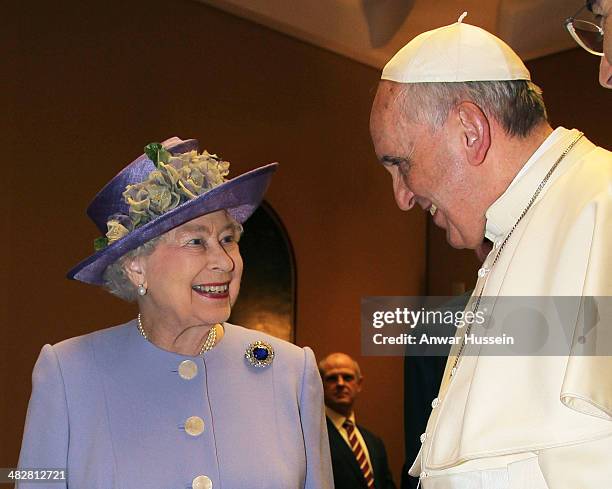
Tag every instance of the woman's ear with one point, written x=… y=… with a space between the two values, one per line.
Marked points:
x=476 y=136
x=135 y=270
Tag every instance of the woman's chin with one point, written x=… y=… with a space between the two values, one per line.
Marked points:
x=213 y=311
x=215 y=318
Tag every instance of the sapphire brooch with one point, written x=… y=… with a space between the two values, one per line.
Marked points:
x=259 y=354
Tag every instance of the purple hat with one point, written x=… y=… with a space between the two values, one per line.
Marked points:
x=148 y=198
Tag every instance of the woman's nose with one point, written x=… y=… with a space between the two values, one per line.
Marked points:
x=219 y=259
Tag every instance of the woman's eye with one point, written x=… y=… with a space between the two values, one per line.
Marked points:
x=196 y=242
x=228 y=239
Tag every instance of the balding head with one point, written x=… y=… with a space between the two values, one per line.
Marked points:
x=338 y=359
x=341 y=382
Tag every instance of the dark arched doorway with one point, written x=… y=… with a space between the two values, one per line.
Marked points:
x=267 y=294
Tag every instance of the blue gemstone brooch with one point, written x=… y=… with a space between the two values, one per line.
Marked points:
x=259 y=354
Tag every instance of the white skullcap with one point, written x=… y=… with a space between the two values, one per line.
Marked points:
x=455 y=53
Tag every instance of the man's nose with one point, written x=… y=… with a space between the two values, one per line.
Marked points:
x=404 y=198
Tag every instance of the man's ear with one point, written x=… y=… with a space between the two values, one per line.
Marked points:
x=135 y=270
x=476 y=135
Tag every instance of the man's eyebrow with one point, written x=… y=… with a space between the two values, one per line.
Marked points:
x=394 y=160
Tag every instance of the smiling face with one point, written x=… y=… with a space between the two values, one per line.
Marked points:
x=341 y=383
x=427 y=167
x=603 y=9
x=193 y=274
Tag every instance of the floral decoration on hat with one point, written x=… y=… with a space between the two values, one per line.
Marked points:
x=176 y=179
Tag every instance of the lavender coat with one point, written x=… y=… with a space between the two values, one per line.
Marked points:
x=111 y=407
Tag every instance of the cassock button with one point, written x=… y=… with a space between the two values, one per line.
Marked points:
x=187 y=369
x=194 y=426
x=435 y=403
x=201 y=482
x=423 y=437
x=482 y=272
x=422 y=475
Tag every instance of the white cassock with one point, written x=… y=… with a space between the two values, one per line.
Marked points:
x=536 y=422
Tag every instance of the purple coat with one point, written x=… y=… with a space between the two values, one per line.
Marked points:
x=111 y=408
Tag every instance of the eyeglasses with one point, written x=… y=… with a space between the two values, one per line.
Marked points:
x=588 y=35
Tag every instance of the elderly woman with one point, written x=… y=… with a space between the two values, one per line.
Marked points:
x=177 y=398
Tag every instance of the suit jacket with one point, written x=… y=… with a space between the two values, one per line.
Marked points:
x=112 y=408
x=347 y=474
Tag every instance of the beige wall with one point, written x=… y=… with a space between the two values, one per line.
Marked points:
x=91 y=83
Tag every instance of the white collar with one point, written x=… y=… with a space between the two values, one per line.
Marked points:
x=498 y=221
x=337 y=418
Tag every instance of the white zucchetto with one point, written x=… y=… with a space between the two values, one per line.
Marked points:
x=455 y=53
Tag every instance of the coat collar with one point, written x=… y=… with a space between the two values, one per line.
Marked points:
x=505 y=211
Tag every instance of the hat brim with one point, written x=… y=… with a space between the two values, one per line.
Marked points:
x=240 y=196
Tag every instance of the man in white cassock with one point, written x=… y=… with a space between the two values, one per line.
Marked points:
x=464 y=134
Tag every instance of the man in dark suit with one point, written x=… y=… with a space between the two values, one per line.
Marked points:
x=359 y=458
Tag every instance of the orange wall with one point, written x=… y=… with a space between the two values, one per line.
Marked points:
x=93 y=82
x=96 y=82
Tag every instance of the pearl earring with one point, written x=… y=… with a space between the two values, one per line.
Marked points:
x=141 y=290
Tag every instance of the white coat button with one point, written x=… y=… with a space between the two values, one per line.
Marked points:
x=194 y=426
x=482 y=272
x=423 y=437
x=423 y=475
x=435 y=403
x=187 y=369
x=201 y=482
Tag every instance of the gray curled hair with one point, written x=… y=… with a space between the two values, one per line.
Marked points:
x=517 y=105
x=115 y=278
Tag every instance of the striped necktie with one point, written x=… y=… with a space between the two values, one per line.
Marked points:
x=359 y=453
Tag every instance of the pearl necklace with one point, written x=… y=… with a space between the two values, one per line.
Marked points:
x=208 y=345
x=503 y=244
